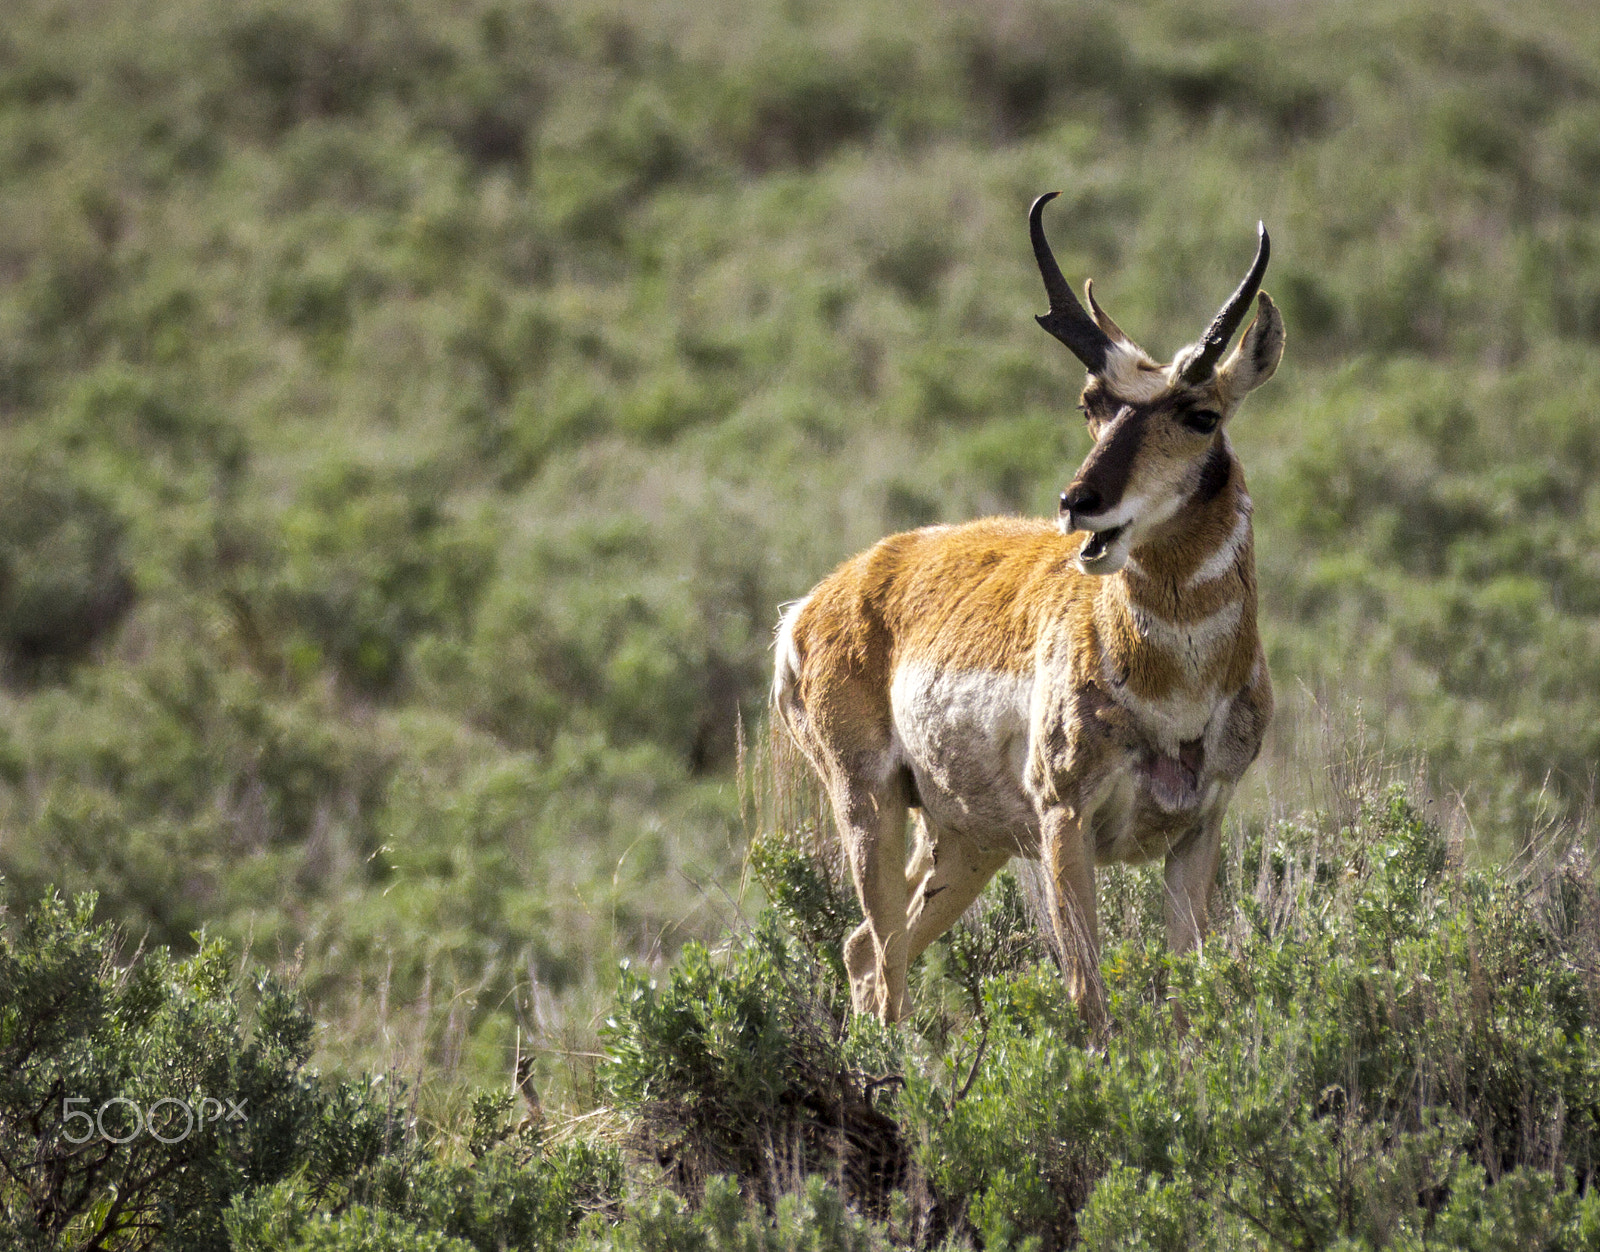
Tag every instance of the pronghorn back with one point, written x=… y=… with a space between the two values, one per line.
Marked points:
x=1082 y=691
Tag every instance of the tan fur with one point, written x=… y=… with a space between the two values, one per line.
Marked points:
x=1024 y=706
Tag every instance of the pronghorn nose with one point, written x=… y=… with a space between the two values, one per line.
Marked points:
x=1081 y=498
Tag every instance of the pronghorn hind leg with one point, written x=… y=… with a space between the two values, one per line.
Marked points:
x=1190 y=875
x=872 y=823
x=924 y=856
x=953 y=873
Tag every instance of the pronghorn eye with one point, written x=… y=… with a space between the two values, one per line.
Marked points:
x=1202 y=421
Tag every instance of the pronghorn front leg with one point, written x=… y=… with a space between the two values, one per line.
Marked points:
x=1069 y=860
x=872 y=823
x=1191 y=868
x=1191 y=877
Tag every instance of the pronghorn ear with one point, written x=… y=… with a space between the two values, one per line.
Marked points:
x=1257 y=356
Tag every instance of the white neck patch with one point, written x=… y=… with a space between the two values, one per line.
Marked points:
x=1224 y=558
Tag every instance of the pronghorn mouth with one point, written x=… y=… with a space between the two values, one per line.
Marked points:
x=1097 y=547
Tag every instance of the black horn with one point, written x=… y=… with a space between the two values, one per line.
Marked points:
x=1066 y=319
x=1227 y=321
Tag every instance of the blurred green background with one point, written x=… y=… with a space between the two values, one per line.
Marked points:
x=412 y=416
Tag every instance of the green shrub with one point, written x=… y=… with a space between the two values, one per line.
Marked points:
x=145 y=1105
x=1379 y=1045
x=802 y=105
x=750 y=1065
x=64 y=584
x=1032 y=65
x=135 y=1104
x=813 y=1218
x=357 y=1229
x=1363 y=1050
x=367 y=568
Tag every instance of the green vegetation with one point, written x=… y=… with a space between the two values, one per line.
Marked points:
x=412 y=416
x=1379 y=1048
x=143 y=1106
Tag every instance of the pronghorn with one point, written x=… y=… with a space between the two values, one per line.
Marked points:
x=1084 y=692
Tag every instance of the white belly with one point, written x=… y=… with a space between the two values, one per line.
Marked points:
x=964 y=735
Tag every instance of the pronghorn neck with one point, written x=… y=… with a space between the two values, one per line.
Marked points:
x=1180 y=615
x=1202 y=541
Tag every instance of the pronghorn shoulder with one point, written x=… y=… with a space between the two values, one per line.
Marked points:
x=975 y=595
x=982 y=545
x=936 y=553
x=970 y=595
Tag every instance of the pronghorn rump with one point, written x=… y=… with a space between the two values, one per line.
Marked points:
x=1080 y=693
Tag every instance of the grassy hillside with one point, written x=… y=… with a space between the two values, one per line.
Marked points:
x=411 y=417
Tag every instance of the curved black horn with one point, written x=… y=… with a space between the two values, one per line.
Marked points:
x=1227 y=321
x=1066 y=319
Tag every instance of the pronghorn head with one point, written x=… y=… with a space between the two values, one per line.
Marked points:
x=1158 y=429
